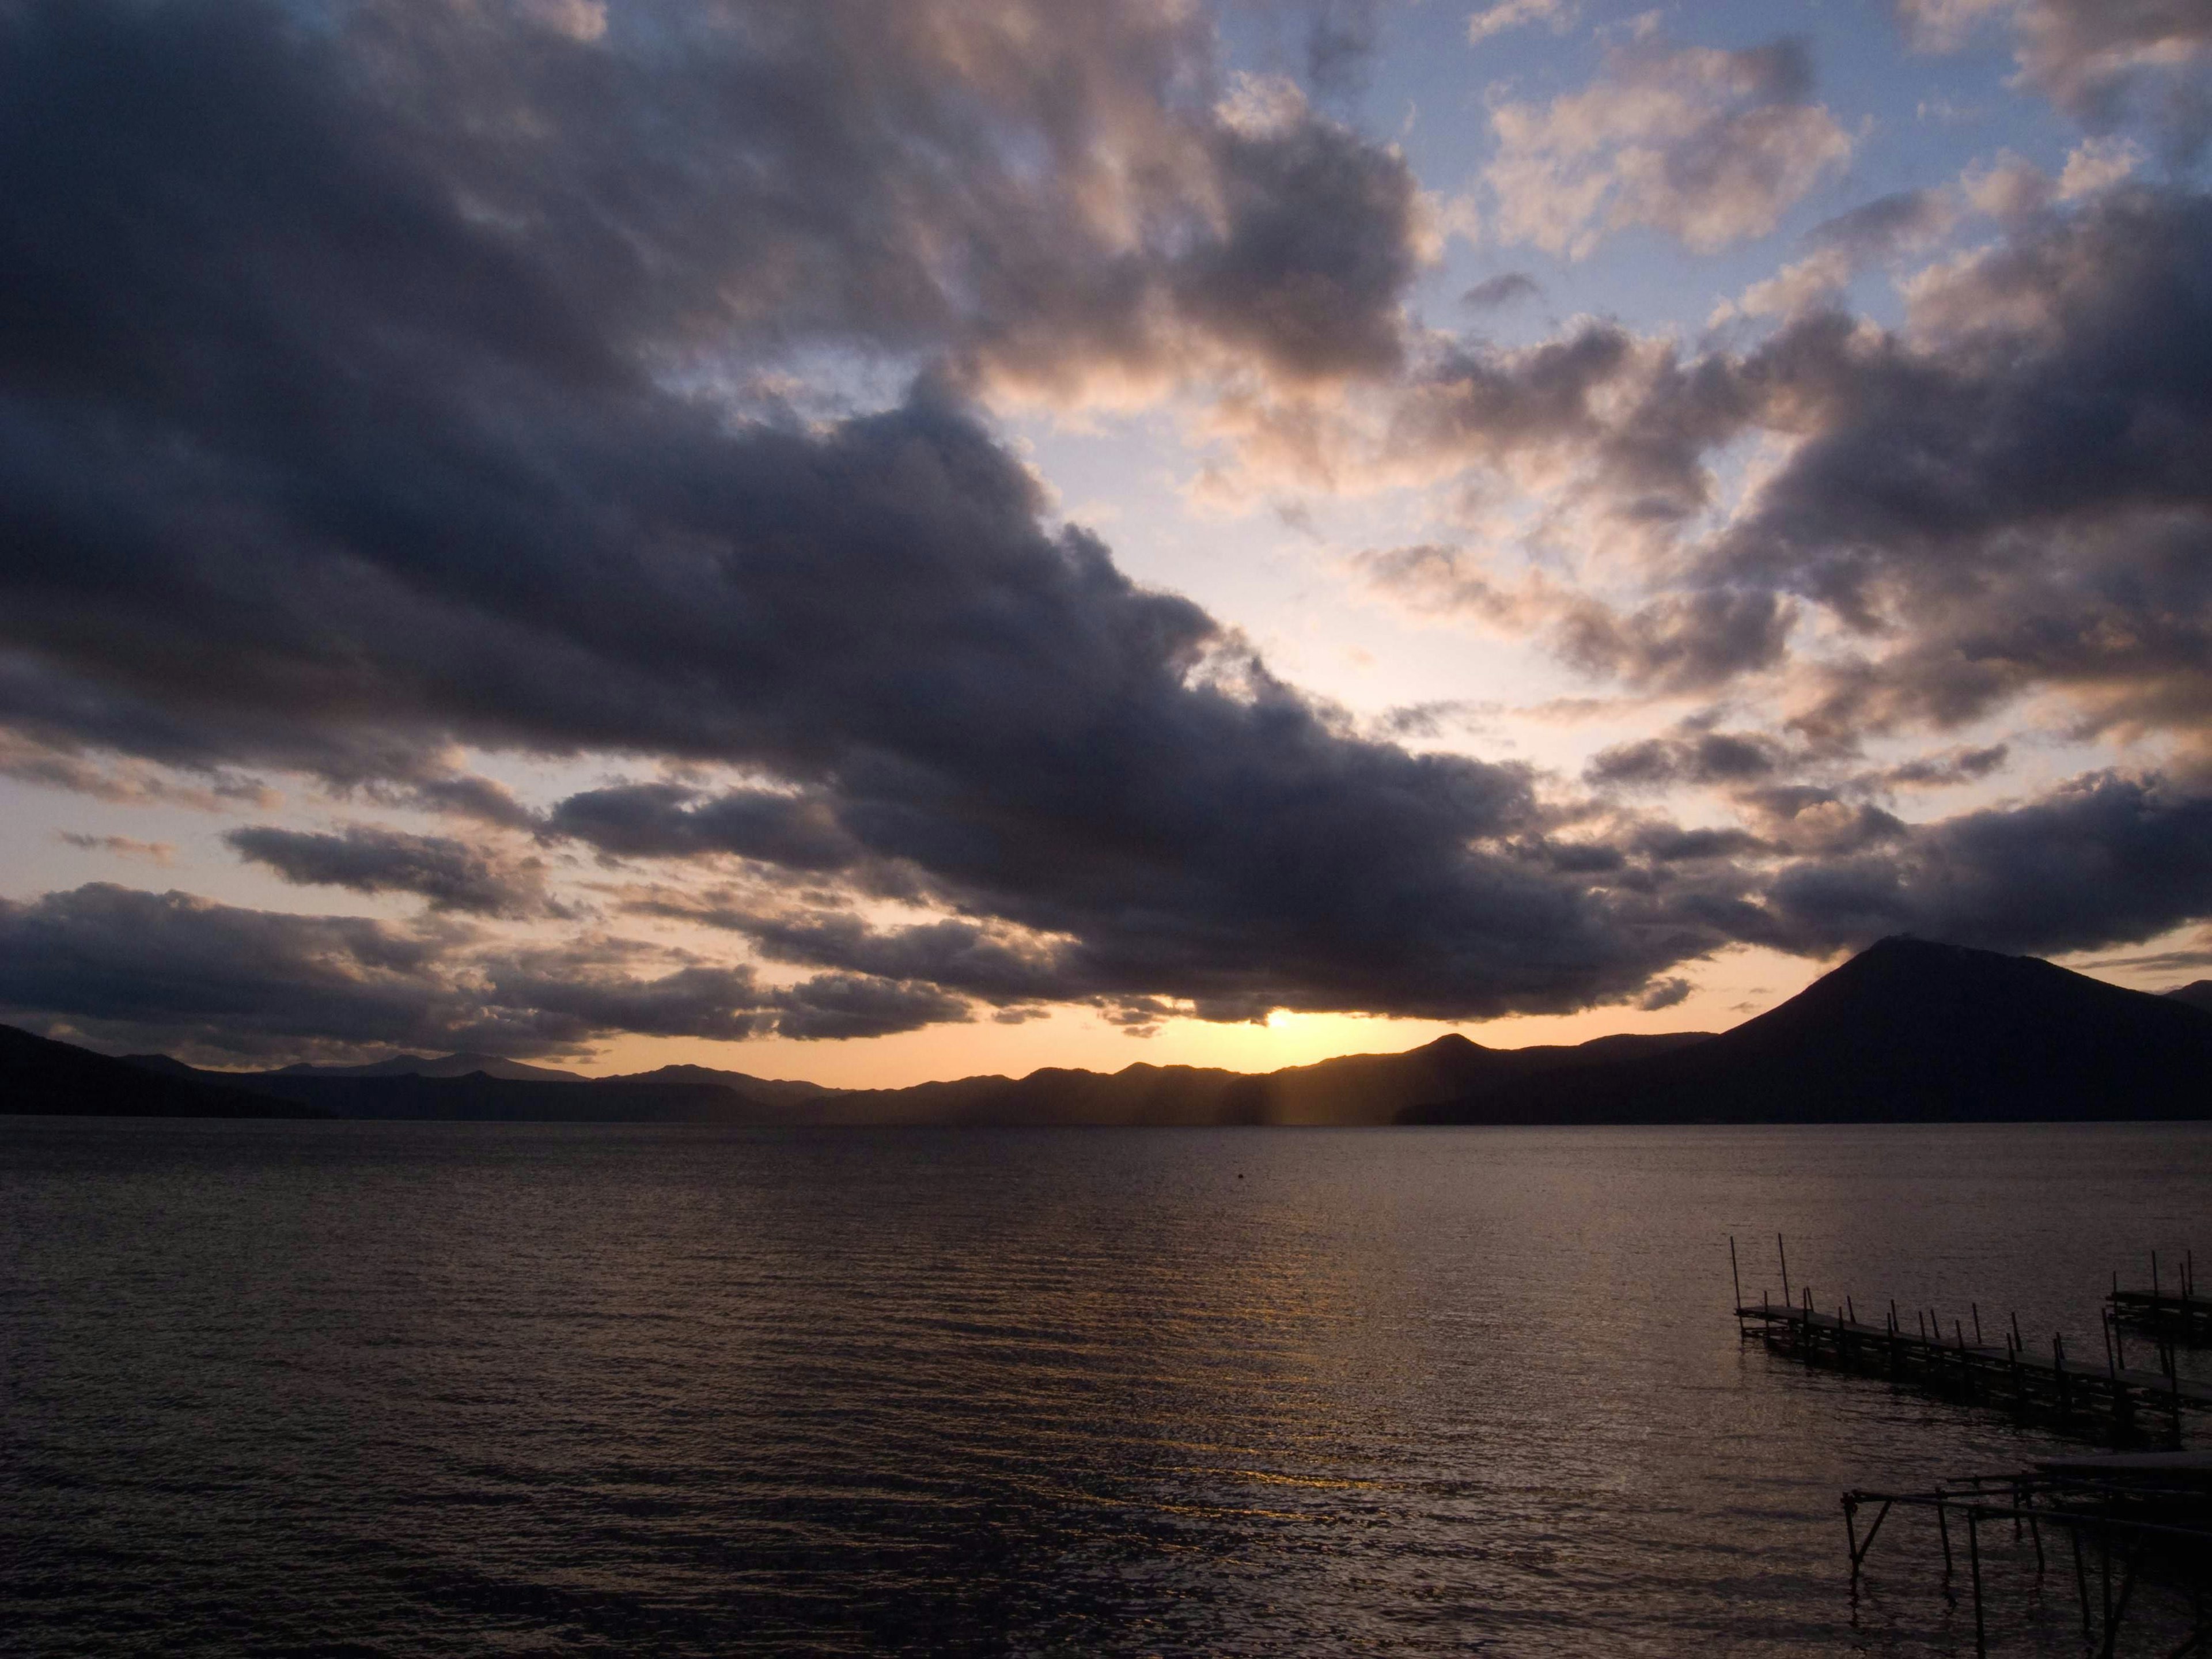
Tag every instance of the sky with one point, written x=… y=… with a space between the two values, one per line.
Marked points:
x=872 y=542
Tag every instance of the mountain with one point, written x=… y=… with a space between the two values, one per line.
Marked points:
x=439 y=1066
x=1376 y=1088
x=38 y=1074
x=779 y=1091
x=1906 y=1031
x=1351 y=1089
x=2197 y=994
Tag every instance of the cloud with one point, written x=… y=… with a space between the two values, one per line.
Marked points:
x=1880 y=231
x=2012 y=189
x=1941 y=771
x=391 y=392
x=132 y=967
x=1679 y=643
x=665 y=820
x=1707 y=146
x=1340 y=40
x=1497 y=292
x=2007 y=497
x=437 y=475
x=451 y=874
x=1517 y=13
x=2104 y=859
x=2000 y=499
x=1672 y=645
x=1698 y=757
x=160 y=853
x=2100 y=62
x=1318 y=239
x=1038 y=197
x=138 y=970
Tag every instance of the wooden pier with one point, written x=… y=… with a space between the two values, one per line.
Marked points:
x=2181 y=1316
x=2128 y=1522
x=2108 y=1398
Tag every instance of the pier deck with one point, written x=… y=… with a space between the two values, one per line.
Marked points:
x=2083 y=1391
x=2185 y=1316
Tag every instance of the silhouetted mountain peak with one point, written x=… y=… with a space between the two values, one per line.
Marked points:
x=1909 y=1028
x=2197 y=994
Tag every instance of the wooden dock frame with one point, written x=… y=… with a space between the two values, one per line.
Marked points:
x=2122 y=1519
x=2185 y=1318
x=2111 y=1401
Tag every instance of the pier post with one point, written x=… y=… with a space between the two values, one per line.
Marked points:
x=1974 y=1566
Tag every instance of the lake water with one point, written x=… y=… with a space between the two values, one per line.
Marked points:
x=446 y=1388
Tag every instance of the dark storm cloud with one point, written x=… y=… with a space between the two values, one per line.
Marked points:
x=134 y=969
x=1939 y=771
x=337 y=433
x=1679 y=643
x=2008 y=495
x=961 y=955
x=1697 y=757
x=1667 y=844
x=2106 y=859
x=2016 y=498
x=671 y=821
x=853 y=1006
x=451 y=874
x=1318 y=248
x=1752 y=769
x=373 y=389
x=1629 y=422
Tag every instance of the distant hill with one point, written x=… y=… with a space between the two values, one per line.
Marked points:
x=440 y=1065
x=2197 y=994
x=1351 y=1089
x=480 y=1097
x=1906 y=1031
x=39 y=1075
x=775 y=1090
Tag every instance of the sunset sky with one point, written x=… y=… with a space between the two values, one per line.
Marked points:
x=871 y=542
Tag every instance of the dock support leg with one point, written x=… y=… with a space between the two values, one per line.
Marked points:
x=1736 y=1279
x=2119 y=1610
x=2080 y=1579
x=1974 y=1565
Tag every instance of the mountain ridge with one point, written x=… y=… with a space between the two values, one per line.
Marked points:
x=1906 y=1031
x=1346 y=1090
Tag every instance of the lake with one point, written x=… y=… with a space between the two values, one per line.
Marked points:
x=455 y=1389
